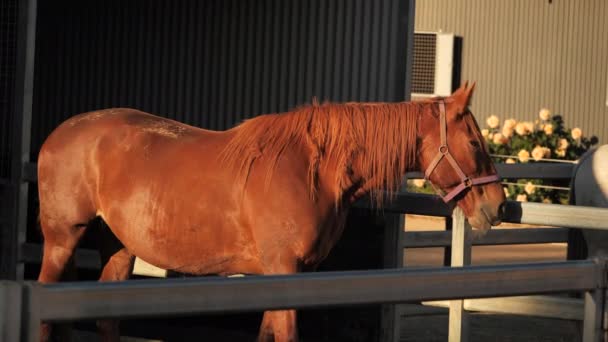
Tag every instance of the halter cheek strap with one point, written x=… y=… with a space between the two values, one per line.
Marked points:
x=444 y=152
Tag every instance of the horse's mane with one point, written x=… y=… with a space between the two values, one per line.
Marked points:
x=385 y=132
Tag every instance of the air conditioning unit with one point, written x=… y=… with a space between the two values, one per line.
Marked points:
x=432 y=67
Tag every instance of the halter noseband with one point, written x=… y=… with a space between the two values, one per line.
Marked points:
x=465 y=182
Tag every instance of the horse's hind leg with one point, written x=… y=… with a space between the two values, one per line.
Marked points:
x=60 y=241
x=117 y=265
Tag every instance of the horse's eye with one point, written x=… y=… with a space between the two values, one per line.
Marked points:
x=475 y=144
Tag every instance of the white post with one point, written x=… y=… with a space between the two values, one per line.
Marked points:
x=461 y=256
x=592 y=323
x=595 y=306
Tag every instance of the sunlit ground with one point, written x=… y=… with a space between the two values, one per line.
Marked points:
x=482 y=255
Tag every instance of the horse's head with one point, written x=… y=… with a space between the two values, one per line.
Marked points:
x=454 y=157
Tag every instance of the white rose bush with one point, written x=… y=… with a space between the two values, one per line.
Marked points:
x=530 y=142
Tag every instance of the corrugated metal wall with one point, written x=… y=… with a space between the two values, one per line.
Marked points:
x=530 y=54
x=213 y=63
x=9 y=12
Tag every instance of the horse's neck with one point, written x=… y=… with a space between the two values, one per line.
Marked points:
x=376 y=153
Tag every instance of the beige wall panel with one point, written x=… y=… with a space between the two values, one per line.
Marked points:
x=530 y=54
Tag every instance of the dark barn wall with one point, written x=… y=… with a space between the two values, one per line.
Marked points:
x=9 y=18
x=9 y=10
x=214 y=63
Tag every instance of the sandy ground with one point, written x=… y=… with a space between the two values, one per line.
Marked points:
x=481 y=255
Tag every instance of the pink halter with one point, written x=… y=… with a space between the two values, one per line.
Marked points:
x=465 y=182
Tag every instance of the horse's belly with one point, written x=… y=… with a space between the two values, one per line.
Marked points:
x=199 y=252
x=216 y=245
x=197 y=255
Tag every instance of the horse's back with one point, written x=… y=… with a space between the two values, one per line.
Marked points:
x=93 y=124
x=122 y=125
x=105 y=150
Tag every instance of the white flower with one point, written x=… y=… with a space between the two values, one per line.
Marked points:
x=506 y=191
x=498 y=139
x=510 y=123
x=485 y=133
x=538 y=153
x=548 y=129
x=576 y=133
x=563 y=144
x=521 y=129
x=510 y=161
x=523 y=156
x=419 y=183
x=544 y=114
x=560 y=152
x=529 y=126
x=522 y=198
x=493 y=121
x=547 y=200
x=507 y=132
x=529 y=188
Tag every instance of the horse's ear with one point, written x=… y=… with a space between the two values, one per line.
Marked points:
x=462 y=97
x=465 y=85
x=469 y=91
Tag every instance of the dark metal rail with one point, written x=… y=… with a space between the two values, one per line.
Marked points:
x=139 y=298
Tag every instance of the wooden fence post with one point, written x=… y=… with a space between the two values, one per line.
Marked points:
x=592 y=323
x=461 y=256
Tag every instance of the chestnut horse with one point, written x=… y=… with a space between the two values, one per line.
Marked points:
x=269 y=196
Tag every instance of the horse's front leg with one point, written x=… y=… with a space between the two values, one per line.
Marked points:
x=279 y=326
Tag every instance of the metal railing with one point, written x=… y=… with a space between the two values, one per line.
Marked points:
x=24 y=305
x=146 y=298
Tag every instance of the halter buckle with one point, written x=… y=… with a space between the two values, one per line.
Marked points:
x=443 y=149
x=467 y=182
